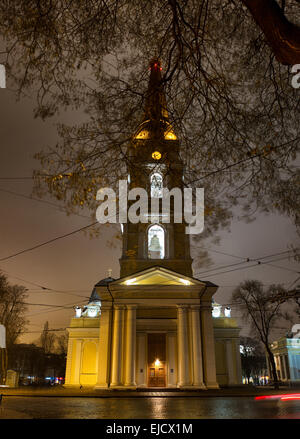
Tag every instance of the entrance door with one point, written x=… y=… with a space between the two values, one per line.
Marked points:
x=157 y=377
x=157 y=360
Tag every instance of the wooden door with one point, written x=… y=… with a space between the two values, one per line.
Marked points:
x=157 y=360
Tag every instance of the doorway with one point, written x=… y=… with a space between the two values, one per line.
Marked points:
x=157 y=360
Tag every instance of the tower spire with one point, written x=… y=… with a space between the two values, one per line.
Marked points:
x=155 y=122
x=156 y=105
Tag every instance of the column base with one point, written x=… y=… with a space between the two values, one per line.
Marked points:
x=212 y=385
x=200 y=386
x=130 y=386
x=184 y=386
x=116 y=386
x=101 y=386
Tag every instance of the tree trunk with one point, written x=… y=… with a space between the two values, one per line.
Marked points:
x=282 y=35
x=273 y=367
x=3 y=365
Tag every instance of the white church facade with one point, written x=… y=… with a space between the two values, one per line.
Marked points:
x=156 y=326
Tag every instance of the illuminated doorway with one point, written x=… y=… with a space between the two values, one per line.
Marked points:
x=157 y=360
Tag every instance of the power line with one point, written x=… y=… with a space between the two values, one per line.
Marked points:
x=16 y=178
x=56 y=206
x=246 y=260
x=43 y=288
x=48 y=242
x=48 y=311
x=242 y=161
x=250 y=266
x=41 y=304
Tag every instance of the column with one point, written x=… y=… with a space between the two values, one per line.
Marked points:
x=130 y=346
x=183 y=351
x=171 y=359
x=104 y=346
x=141 y=374
x=69 y=363
x=238 y=362
x=229 y=362
x=117 y=346
x=283 y=368
x=208 y=347
x=196 y=343
x=78 y=349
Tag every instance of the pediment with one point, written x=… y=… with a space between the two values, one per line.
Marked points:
x=157 y=276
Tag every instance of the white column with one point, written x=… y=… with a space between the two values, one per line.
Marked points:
x=130 y=346
x=208 y=347
x=117 y=346
x=196 y=344
x=104 y=347
x=183 y=351
x=229 y=362
x=171 y=359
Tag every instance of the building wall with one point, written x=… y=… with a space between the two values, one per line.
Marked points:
x=82 y=356
x=84 y=350
x=227 y=346
x=287 y=359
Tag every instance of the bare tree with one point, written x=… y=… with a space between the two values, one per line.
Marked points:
x=62 y=343
x=262 y=308
x=12 y=316
x=230 y=101
x=12 y=309
x=253 y=358
x=47 y=339
x=282 y=35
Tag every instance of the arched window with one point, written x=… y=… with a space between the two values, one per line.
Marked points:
x=156 y=181
x=156 y=242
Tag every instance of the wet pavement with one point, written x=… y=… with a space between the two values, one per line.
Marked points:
x=18 y=407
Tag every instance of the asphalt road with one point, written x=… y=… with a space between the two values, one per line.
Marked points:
x=18 y=407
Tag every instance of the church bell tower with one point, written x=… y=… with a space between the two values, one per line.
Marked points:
x=154 y=163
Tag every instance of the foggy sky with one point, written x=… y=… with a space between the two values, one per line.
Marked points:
x=74 y=264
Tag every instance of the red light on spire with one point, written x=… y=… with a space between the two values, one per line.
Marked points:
x=155 y=64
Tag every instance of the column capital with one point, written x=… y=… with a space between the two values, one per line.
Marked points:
x=132 y=306
x=206 y=306
x=119 y=306
x=195 y=307
x=182 y=307
x=105 y=306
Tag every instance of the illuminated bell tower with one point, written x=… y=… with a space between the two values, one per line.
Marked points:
x=153 y=164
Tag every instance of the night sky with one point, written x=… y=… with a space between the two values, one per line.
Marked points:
x=71 y=266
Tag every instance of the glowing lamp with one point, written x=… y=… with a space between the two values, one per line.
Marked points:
x=169 y=135
x=92 y=311
x=227 y=311
x=78 y=311
x=216 y=312
x=157 y=363
x=144 y=134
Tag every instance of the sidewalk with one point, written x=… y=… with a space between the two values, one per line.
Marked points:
x=60 y=391
x=12 y=414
